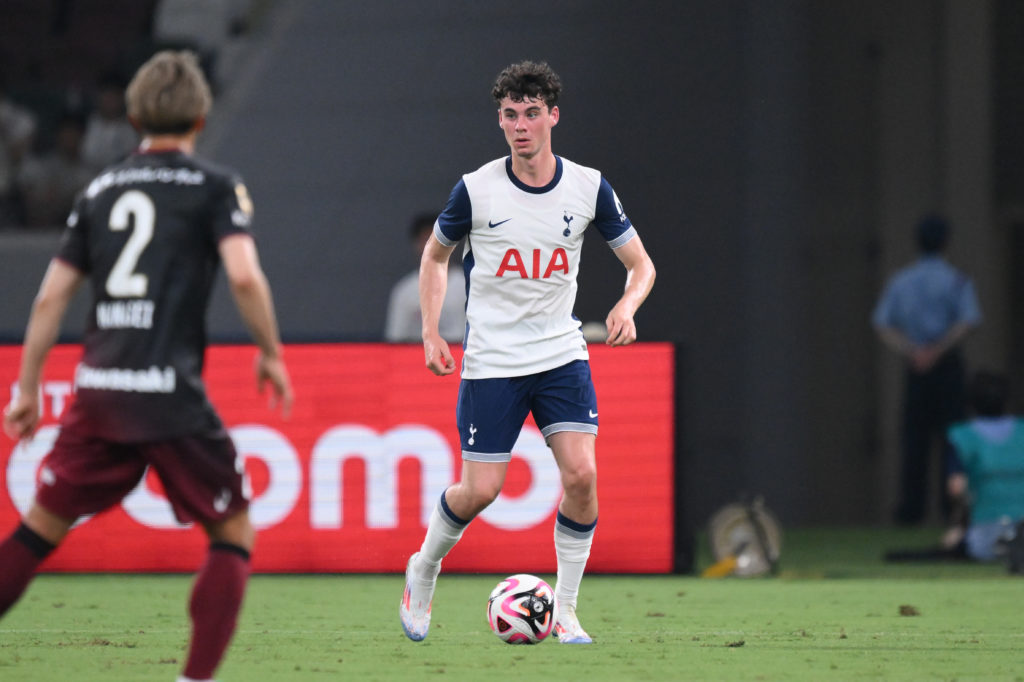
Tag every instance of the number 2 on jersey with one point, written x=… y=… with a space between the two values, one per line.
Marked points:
x=123 y=281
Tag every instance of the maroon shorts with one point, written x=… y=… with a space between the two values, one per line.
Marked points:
x=85 y=475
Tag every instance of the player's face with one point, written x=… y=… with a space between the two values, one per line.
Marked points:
x=527 y=126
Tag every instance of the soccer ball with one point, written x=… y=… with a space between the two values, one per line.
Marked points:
x=522 y=609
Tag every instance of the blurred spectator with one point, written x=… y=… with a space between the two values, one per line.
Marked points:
x=404 y=321
x=202 y=25
x=48 y=182
x=17 y=133
x=988 y=467
x=925 y=311
x=109 y=135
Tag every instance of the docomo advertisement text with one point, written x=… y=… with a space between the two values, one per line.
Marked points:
x=348 y=482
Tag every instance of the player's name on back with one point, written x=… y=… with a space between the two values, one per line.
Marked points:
x=129 y=314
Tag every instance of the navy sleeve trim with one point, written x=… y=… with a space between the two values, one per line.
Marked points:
x=456 y=220
x=609 y=217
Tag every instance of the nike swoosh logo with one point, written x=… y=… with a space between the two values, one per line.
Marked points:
x=592 y=414
x=500 y=222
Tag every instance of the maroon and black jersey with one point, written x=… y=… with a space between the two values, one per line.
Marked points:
x=146 y=233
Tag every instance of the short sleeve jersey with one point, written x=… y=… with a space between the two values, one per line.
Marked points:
x=926 y=299
x=146 y=234
x=990 y=452
x=521 y=260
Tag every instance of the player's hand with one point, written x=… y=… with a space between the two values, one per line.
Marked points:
x=438 y=356
x=621 y=328
x=274 y=371
x=21 y=417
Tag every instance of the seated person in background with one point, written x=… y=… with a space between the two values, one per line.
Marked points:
x=109 y=135
x=206 y=26
x=17 y=133
x=48 y=182
x=404 y=322
x=988 y=467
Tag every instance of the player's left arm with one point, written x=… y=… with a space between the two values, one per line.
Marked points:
x=640 y=275
x=251 y=291
x=55 y=293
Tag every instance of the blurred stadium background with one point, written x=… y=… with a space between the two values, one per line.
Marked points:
x=773 y=154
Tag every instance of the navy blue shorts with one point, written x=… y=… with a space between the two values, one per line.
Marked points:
x=491 y=412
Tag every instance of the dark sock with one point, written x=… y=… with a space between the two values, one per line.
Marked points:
x=216 y=600
x=20 y=556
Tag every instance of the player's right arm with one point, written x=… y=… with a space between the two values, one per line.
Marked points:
x=433 y=286
x=251 y=292
x=55 y=293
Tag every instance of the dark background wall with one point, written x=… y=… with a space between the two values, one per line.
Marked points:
x=772 y=154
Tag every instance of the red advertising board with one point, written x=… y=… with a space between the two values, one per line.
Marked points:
x=347 y=483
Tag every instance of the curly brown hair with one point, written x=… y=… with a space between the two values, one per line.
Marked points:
x=528 y=80
x=169 y=94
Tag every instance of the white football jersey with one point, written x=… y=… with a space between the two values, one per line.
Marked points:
x=521 y=259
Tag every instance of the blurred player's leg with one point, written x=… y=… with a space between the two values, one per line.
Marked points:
x=25 y=549
x=574 y=526
x=203 y=482
x=20 y=556
x=444 y=530
x=217 y=595
x=80 y=476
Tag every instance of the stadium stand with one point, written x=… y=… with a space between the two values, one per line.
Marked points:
x=55 y=55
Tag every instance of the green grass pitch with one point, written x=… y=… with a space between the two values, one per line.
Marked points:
x=835 y=611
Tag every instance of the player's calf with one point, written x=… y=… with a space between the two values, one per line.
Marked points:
x=20 y=557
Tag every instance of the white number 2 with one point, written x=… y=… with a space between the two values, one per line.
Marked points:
x=123 y=281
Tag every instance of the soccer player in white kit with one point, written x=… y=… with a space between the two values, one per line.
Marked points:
x=523 y=217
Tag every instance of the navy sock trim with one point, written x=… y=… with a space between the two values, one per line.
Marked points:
x=572 y=525
x=228 y=547
x=36 y=544
x=450 y=514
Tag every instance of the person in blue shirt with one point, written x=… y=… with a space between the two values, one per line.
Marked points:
x=988 y=467
x=924 y=313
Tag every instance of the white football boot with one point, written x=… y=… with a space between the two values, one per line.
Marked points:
x=417 y=599
x=568 y=628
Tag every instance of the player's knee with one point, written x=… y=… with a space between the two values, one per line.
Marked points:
x=236 y=530
x=483 y=499
x=482 y=494
x=46 y=524
x=580 y=482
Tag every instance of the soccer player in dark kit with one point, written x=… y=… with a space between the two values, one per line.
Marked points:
x=148 y=236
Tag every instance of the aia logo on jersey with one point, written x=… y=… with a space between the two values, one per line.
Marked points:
x=513 y=262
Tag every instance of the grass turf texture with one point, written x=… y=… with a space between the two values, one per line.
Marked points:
x=835 y=611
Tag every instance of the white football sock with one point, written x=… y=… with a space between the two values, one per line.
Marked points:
x=444 y=530
x=572 y=547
